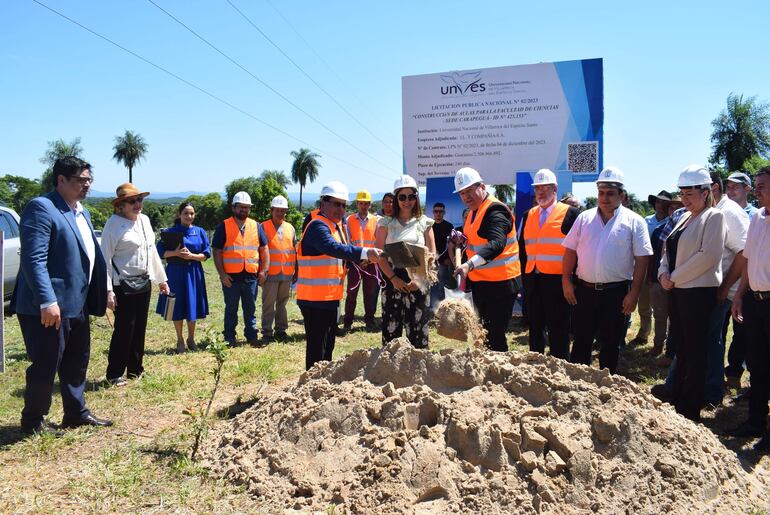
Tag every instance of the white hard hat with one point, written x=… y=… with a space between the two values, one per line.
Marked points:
x=335 y=189
x=611 y=174
x=404 y=181
x=466 y=177
x=694 y=175
x=280 y=201
x=544 y=176
x=242 y=198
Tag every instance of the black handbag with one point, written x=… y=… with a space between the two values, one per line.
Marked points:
x=135 y=284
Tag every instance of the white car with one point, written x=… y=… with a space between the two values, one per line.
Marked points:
x=9 y=224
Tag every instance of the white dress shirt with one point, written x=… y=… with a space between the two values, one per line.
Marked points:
x=737 y=222
x=606 y=251
x=757 y=251
x=131 y=246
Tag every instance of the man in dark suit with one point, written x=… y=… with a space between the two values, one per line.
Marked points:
x=61 y=282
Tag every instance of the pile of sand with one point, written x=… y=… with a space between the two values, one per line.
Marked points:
x=399 y=430
x=456 y=319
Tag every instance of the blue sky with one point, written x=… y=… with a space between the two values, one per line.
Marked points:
x=668 y=68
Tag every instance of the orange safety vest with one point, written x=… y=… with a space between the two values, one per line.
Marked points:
x=506 y=265
x=281 y=248
x=315 y=214
x=241 y=251
x=320 y=278
x=543 y=244
x=362 y=236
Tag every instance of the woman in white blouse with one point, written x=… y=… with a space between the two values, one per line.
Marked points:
x=405 y=302
x=691 y=270
x=128 y=245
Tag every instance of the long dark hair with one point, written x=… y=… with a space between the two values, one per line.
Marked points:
x=182 y=207
x=416 y=209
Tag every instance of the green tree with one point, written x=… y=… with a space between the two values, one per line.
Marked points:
x=303 y=169
x=16 y=191
x=263 y=196
x=56 y=149
x=160 y=215
x=101 y=209
x=278 y=176
x=741 y=131
x=591 y=202
x=130 y=149
x=505 y=193
x=754 y=164
x=208 y=210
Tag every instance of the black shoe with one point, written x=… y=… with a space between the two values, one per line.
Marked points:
x=281 y=336
x=42 y=428
x=372 y=327
x=660 y=392
x=747 y=430
x=342 y=331
x=741 y=397
x=88 y=420
x=763 y=445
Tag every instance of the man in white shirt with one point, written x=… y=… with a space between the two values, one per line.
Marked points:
x=752 y=307
x=612 y=249
x=738 y=186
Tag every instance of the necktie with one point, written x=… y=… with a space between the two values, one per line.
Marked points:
x=543 y=216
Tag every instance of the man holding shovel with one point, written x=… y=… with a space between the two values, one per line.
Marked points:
x=493 y=256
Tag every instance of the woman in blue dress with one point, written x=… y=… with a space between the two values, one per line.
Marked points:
x=185 y=276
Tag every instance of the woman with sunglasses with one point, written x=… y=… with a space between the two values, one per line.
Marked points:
x=404 y=302
x=691 y=271
x=133 y=264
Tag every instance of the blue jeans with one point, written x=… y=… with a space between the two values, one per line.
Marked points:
x=245 y=291
x=715 y=356
x=437 y=290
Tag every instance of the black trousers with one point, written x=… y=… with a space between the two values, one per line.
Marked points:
x=756 y=316
x=599 y=313
x=494 y=302
x=127 y=343
x=736 y=354
x=549 y=314
x=689 y=315
x=65 y=350
x=320 y=334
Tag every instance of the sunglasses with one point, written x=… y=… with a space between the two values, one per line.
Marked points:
x=342 y=205
x=403 y=198
x=438 y=210
x=83 y=180
x=134 y=200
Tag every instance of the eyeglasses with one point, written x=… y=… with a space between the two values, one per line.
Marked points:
x=82 y=180
x=403 y=198
x=134 y=200
x=338 y=205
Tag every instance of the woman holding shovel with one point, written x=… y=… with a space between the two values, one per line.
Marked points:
x=405 y=299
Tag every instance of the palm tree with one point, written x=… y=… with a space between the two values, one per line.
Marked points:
x=129 y=150
x=57 y=149
x=740 y=132
x=504 y=193
x=278 y=176
x=304 y=168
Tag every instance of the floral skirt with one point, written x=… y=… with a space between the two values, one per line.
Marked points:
x=410 y=310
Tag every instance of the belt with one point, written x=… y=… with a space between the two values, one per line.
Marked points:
x=602 y=286
x=761 y=295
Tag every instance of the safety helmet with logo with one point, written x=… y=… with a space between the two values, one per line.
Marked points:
x=335 y=189
x=363 y=196
x=242 y=198
x=694 y=175
x=280 y=202
x=404 y=181
x=544 y=176
x=466 y=177
x=611 y=174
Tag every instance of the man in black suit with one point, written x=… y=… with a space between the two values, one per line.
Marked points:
x=63 y=280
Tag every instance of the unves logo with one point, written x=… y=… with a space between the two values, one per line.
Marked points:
x=461 y=83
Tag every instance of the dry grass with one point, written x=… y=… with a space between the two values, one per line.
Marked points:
x=141 y=464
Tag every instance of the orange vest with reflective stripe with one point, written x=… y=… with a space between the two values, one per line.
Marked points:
x=320 y=278
x=506 y=265
x=281 y=248
x=362 y=236
x=543 y=244
x=315 y=214
x=241 y=251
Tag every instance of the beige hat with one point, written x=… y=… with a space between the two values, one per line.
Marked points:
x=126 y=191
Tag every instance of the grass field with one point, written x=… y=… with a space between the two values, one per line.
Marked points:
x=141 y=464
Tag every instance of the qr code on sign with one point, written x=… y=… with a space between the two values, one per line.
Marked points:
x=583 y=157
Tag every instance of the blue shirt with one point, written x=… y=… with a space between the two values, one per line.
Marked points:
x=653 y=223
x=750 y=210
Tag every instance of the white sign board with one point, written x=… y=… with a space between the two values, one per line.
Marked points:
x=505 y=120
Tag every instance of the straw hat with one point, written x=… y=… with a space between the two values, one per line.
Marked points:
x=126 y=191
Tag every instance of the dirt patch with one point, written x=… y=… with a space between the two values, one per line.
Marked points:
x=398 y=429
x=456 y=319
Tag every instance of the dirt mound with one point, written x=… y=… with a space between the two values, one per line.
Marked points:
x=402 y=430
x=456 y=319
